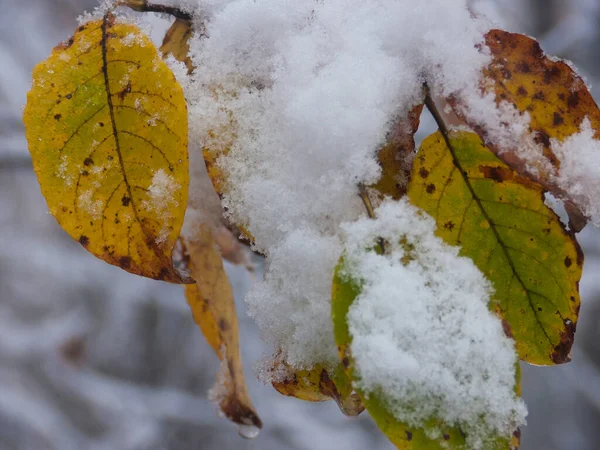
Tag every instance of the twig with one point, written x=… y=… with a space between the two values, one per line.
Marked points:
x=364 y=196
x=145 y=6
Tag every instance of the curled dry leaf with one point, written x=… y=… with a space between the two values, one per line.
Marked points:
x=176 y=42
x=106 y=124
x=550 y=92
x=318 y=385
x=396 y=158
x=500 y=221
x=212 y=303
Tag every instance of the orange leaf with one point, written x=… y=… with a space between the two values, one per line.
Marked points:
x=549 y=91
x=212 y=303
x=396 y=156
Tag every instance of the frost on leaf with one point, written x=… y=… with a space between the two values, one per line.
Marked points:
x=500 y=220
x=540 y=103
x=431 y=362
x=106 y=124
x=213 y=307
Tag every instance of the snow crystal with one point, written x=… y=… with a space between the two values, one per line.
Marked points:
x=130 y=39
x=579 y=173
x=63 y=171
x=422 y=332
x=93 y=207
x=298 y=96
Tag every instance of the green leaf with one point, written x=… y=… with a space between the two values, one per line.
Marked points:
x=345 y=290
x=500 y=221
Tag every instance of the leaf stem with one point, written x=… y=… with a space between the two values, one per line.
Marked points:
x=437 y=116
x=431 y=106
x=364 y=196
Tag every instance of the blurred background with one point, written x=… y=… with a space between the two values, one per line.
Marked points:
x=94 y=358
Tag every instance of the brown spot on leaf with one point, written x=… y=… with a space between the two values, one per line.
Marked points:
x=449 y=225
x=163 y=274
x=65 y=44
x=125 y=200
x=446 y=437
x=573 y=99
x=84 y=240
x=409 y=435
x=88 y=162
x=423 y=172
x=125 y=262
x=499 y=174
x=507 y=329
x=430 y=188
x=522 y=91
x=345 y=362
x=557 y=119
x=126 y=90
x=568 y=262
x=562 y=352
x=223 y=325
x=539 y=95
x=523 y=67
x=57 y=116
x=541 y=138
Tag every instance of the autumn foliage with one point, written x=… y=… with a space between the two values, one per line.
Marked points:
x=107 y=126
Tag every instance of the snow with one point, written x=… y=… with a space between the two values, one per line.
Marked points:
x=296 y=97
x=161 y=198
x=422 y=332
x=150 y=321
x=92 y=207
x=579 y=173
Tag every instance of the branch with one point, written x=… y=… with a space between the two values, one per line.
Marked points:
x=145 y=6
x=364 y=196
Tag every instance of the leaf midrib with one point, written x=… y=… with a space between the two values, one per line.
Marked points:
x=105 y=62
x=499 y=239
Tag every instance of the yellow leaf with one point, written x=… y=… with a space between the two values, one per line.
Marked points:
x=212 y=303
x=318 y=385
x=499 y=220
x=176 y=42
x=106 y=124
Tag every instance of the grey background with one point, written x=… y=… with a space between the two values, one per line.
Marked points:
x=94 y=358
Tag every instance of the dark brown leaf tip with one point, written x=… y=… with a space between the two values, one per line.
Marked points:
x=239 y=413
x=562 y=352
